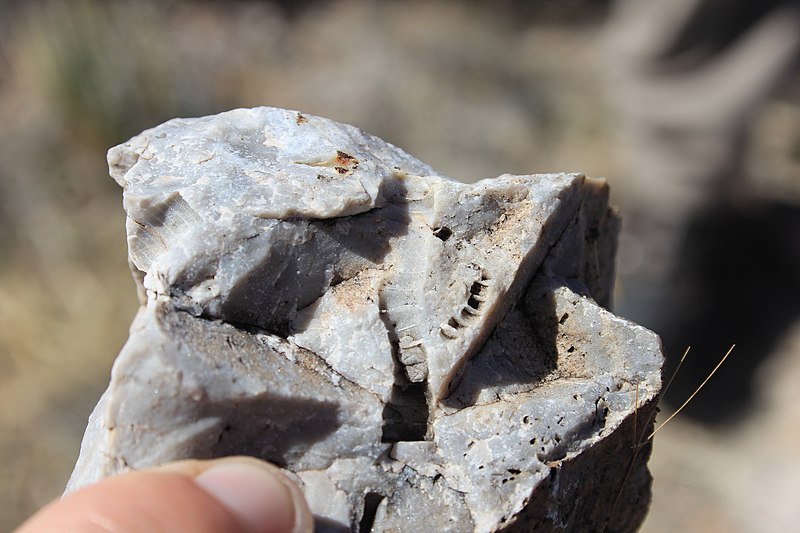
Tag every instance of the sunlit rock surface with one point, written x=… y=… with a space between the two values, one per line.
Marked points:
x=421 y=354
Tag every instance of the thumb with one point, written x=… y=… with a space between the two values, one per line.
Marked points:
x=232 y=495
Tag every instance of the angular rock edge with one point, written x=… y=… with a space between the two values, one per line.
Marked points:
x=419 y=354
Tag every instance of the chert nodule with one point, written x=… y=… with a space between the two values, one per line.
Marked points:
x=420 y=354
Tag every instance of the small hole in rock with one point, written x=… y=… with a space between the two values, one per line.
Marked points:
x=442 y=233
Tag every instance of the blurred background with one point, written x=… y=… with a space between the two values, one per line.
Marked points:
x=690 y=108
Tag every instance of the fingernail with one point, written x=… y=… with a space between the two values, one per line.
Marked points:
x=253 y=493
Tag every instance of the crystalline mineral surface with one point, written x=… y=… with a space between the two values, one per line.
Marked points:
x=420 y=354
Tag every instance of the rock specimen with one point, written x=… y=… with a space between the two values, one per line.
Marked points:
x=420 y=354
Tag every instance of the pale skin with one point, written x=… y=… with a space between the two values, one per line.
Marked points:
x=231 y=495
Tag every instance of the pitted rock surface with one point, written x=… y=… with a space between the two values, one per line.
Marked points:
x=420 y=354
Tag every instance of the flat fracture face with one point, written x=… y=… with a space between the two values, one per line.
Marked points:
x=419 y=353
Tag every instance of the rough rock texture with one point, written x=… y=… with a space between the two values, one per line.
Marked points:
x=421 y=354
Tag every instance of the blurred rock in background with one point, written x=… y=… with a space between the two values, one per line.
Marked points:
x=689 y=79
x=473 y=88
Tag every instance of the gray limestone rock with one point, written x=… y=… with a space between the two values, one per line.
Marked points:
x=420 y=354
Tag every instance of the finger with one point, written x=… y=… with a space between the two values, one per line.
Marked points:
x=232 y=495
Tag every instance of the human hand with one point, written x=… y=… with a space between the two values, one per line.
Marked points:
x=231 y=495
